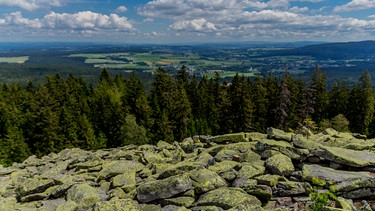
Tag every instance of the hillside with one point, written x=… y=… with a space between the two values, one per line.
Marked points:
x=335 y=51
x=242 y=171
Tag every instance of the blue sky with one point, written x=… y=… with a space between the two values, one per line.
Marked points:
x=184 y=21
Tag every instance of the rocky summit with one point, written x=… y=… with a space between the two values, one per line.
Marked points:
x=242 y=171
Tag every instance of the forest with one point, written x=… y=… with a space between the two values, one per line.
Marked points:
x=62 y=113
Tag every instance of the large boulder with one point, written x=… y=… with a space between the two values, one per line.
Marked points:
x=229 y=138
x=251 y=170
x=348 y=157
x=117 y=204
x=282 y=147
x=113 y=168
x=290 y=188
x=84 y=195
x=280 y=164
x=205 y=180
x=161 y=189
x=277 y=134
x=227 y=198
x=331 y=175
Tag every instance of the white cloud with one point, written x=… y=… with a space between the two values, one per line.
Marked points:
x=355 y=5
x=247 y=19
x=17 y=19
x=31 y=4
x=197 y=25
x=82 y=21
x=121 y=9
x=86 y=20
x=299 y=9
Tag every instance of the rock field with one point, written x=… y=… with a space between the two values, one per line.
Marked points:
x=242 y=171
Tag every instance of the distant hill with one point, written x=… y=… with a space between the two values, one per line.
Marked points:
x=336 y=51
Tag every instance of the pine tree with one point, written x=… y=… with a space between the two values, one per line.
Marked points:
x=171 y=108
x=362 y=105
x=284 y=101
x=136 y=101
x=272 y=94
x=261 y=103
x=319 y=95
x=240 y=106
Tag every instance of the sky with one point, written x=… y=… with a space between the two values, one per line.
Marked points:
x=186 y=21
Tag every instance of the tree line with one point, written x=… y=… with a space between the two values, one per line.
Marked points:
x=65 y=113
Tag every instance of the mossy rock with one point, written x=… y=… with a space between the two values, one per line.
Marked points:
x=187 y=145
x=291 y=188
x=68 y=206
x=330 y=175
x=225 y=154
x=250 y=157
x=178 y=168
x=34 y=185
x=277 y=134
x=165 y=145
x=206 y=208
x=347 y=156
x=174 y=208
x=251 y=170
x=113 y=168
x=84 y=195
x=183 y=201
x=302 y=142
x=205 y=180
x=244 y=183
x=255 y=136
x=269 y=179
x=161 y=189
x=354 y=184
x=152 y=157
x=246 y=207
x=227 y=198
x=262 y=192
x=229 y=138
x=280 y=164
x=125 y=180
x=117 y=204
x=230 y=175
x=150 y=207
x=205 y=159
x=225 y=166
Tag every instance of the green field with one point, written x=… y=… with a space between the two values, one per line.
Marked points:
x=18 y=59
x=148 y=62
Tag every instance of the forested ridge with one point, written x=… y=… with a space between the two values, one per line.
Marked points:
x=66 y=113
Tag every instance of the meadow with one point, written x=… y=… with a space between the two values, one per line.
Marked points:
x=17 y=60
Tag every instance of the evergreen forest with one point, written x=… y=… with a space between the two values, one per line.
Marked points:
x=64 y=113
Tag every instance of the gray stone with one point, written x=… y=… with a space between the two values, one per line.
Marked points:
x=280 y=164
x=84 y=195
x=346 y=156
x=277 y=134
x=336 y=176
x=227 y=198
x=165 y=188
x=205 y=180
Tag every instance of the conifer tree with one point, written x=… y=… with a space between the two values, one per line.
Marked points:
x=284 y=101
x=261 y=103
x=319 y=94
x=241 y=106
x=362 y=105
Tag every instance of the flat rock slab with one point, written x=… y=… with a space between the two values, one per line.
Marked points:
x=162 y=189
x=227 y=198
x=348 y=157
x=328 y=174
